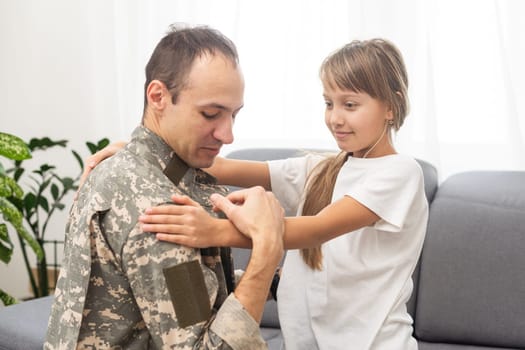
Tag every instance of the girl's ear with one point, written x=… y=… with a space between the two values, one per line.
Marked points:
x=157 y=95
x=389 y=116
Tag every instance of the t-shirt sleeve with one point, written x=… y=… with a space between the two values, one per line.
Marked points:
x=390 y=192
x=288 y=178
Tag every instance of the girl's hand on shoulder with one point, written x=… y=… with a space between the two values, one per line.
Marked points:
x=185 y=223
x=92 y=161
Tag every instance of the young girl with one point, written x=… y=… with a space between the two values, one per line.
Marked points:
x=363 y=212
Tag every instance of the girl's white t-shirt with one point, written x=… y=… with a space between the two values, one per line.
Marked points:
x=358 y=300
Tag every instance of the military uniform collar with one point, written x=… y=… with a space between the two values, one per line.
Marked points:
x=173 y=166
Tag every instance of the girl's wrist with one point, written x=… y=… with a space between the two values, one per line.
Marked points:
x=229 y=236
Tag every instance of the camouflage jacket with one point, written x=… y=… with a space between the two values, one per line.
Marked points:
x=120 y=288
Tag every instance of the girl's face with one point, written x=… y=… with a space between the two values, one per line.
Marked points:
x=357 y=121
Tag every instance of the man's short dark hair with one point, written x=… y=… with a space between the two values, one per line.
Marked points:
x=174 y=55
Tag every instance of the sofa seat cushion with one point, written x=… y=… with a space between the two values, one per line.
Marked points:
x=24 y=325
x=472 y=280
x=442 y=346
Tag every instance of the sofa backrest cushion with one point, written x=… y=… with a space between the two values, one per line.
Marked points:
x=430 y=176
x=472 y=275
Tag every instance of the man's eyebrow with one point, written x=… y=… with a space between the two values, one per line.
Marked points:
x=213 y=105
x=219 y=106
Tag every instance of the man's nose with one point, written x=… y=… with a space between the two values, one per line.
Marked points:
x=224 y=131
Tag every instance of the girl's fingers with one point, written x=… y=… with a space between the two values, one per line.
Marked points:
x=182 y=240
x=164 y=228
x=169 y=209
x=183 y=200
x=188 y=241
x=161 y=219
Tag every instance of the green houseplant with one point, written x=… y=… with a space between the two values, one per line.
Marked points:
x=14 y=148
x=45 y=191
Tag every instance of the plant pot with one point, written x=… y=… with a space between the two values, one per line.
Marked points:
x=52 y=277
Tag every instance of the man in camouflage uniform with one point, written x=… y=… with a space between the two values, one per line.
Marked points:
x=119 y=287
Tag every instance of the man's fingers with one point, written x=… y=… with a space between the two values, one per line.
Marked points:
x=222 y=203
x=238 y=197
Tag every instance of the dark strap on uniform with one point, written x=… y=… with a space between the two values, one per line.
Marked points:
x=175 y=171
x=227 y=266
x=227 y=263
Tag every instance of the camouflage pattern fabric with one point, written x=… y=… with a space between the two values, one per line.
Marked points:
x=112 y=293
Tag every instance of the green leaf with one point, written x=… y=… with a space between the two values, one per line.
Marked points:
x=29 y=202
x=4 y=236
x=78 y=158
x=44 y=185
x=46 y=167
x=7 y=299
x=18 y=173
x=14 y=216
x=5 y=189
x=9 y=187
x=92 y=147
x=54 y=191
x=59 y=206
x=43 y=169
x=102 y=143
x=31 y=241
x=5 y=253
x=42 y=201
x=10 y=212
x=45 y=143
x=68 y=183
x=13 y=147
x=6 y=246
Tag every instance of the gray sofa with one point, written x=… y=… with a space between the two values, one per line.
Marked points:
x=469 y=286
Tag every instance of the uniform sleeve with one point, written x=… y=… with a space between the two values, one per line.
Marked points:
x=390 y=192
x=288 y=178
x=230 y=328
x=236 y=327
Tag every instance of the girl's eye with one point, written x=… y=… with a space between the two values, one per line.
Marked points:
x=350 y=105
x=328 y=104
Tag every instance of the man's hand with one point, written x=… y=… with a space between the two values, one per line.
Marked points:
x=258 y=215
x=255 y=212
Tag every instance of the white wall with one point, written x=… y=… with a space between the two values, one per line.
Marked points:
x=74 y=70
x=47 y=88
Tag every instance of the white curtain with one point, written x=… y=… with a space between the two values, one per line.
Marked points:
x=74 y=69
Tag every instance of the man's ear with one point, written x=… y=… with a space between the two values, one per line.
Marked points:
x=157 y=94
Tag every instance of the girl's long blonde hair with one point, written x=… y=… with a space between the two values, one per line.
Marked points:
x=375 y=67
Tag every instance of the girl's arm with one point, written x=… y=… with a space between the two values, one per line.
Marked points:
x=188 y=224
x=340 y=217
x=241 y=173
